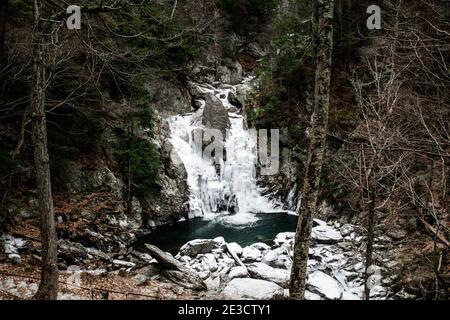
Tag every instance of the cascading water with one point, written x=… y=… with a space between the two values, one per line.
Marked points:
x=226 y=191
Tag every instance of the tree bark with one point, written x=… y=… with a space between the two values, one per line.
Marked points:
x=3 y=18
x=311 y=182
x=48 y=288
x=370 y=242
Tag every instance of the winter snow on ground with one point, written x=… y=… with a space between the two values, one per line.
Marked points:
x=261 y=271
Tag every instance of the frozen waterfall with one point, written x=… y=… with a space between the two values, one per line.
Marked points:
x=226 y=191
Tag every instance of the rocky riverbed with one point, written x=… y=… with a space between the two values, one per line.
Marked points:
x=228 y=271
x=262 y=270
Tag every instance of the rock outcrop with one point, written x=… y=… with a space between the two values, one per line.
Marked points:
x=169 y=97
x=252 y=289
x=171 y=201
x=213 y=115
x=231 y=74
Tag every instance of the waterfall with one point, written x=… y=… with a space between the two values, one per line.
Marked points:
x=226 y=191
x=290 y=200
x=293 y=201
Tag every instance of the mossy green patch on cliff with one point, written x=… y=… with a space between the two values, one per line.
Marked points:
x=74 y=132
x=283 y=79
x=140 y=163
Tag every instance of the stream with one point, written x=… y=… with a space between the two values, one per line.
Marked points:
x=171 y=237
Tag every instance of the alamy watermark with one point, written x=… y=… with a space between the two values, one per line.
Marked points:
x=374 y=21
x=74 y=17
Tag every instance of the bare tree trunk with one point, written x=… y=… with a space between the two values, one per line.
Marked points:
x=311 y=183
x=3 y=18
x=48 y=288
x=370 y=242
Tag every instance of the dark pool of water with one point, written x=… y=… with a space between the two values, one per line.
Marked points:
x=170 y=238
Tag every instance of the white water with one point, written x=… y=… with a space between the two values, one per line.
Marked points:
x=214 y=192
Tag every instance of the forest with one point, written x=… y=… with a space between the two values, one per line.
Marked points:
x=136 y=137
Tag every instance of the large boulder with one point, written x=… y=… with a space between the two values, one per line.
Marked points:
x=278 y=258
x=238 y=272
x=233 y=100
x=263 y=271
x=196 y=247
x=243 y=91
x=230 y=74
x=321 y=283
x=236 y=248
x=284 y=238
x=311 y=296
x=325 y=234
x=209 y=262
x=250 y=254
x=270 y=257
x=252 y=289
x=204 y=73
x=213 y=115
x=71 y=252
x=169 y=97
x=261 y=246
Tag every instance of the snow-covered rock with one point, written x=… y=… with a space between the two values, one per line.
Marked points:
x=185 y=259
x=196 y=247
x=350 y=296
x=270 y=257
x=250 y=254
x=283 y=261
x=311 y=296
x=347 y=229
x=12 y=246
x=260 y=246
x=321 y=283
x=318 y=222
x=278 y=258
x=238 y=272
x=227 y=262
x=121 y=263
x=213 y=283
x=378 y=292
x=15 y=258
x=359 y=267
x=262 y=271
x=284 y=238
x=219 y=242
x=209 y=261
x=204 y=274
x=326 y=234
x=252 y=289
x=236 y=248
